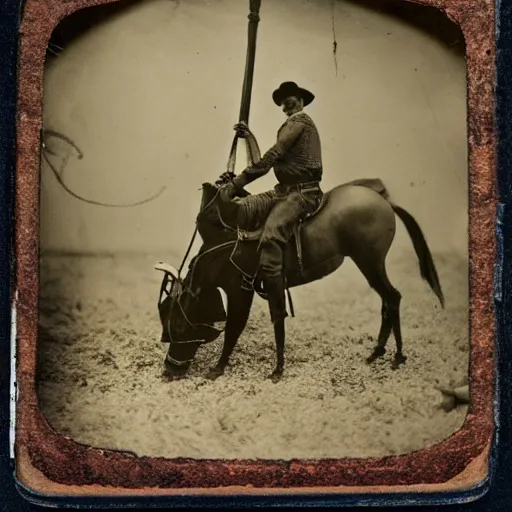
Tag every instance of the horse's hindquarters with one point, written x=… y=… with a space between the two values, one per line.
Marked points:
x=354 y=220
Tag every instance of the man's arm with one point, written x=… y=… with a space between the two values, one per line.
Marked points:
x=285 y=141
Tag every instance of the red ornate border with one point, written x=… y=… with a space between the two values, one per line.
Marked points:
x=63 y=461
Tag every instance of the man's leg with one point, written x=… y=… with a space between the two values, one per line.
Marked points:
x=278 y=230
x=253 y=210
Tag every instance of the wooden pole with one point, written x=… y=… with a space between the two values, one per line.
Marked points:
x=245 y=104
x=254 y=18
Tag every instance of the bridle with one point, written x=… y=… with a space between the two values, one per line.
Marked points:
x=177 y=297
x=178 y=291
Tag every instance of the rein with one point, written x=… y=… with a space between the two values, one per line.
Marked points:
x=188 y=290
x=252 y=155
x=192 y=240
x=224 y=225
x=194 y=234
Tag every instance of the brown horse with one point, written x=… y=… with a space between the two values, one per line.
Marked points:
x=356 y=220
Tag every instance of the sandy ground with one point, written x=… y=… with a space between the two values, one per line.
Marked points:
x=100 y=365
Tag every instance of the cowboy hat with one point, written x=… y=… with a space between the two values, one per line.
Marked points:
x=287 y=89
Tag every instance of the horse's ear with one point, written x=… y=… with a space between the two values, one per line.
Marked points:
x=168 y=269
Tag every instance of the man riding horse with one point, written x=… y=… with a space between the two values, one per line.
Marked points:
x=357 y=221
x=297 y=161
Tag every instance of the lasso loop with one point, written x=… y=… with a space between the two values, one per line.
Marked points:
x=58 y=172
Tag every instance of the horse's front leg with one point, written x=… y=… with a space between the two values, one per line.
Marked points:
x=279 y=334
x=239 y=307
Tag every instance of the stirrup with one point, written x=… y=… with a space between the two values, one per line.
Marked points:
x=290 y=302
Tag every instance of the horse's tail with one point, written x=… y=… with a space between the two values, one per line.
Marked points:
x=426 y=262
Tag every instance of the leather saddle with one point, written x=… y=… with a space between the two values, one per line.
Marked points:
x=246 y=253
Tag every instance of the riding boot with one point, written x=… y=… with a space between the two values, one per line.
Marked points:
x=275 y=290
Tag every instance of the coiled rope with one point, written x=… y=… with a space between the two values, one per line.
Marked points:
x=45 y=150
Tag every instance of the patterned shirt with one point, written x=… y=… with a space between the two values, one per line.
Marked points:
x=296 y=157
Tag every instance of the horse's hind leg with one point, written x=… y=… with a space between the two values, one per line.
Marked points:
x=384 y=332
x=377 y=278
x=397 y=331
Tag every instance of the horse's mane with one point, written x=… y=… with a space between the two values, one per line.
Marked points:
x=210 y=226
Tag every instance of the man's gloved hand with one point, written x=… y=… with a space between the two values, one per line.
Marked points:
x=225 y=177
x=242 y=130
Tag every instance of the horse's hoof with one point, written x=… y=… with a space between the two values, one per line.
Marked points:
x=378 y=352
x=398 y=361
x=276 y=376
x=166 y=375
x=214 y=374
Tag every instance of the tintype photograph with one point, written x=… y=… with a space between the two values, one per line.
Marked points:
x=254 y=234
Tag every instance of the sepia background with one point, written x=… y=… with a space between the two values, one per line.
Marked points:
x=149 y=91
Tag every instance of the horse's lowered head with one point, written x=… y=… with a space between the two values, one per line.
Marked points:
x=187 y=318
